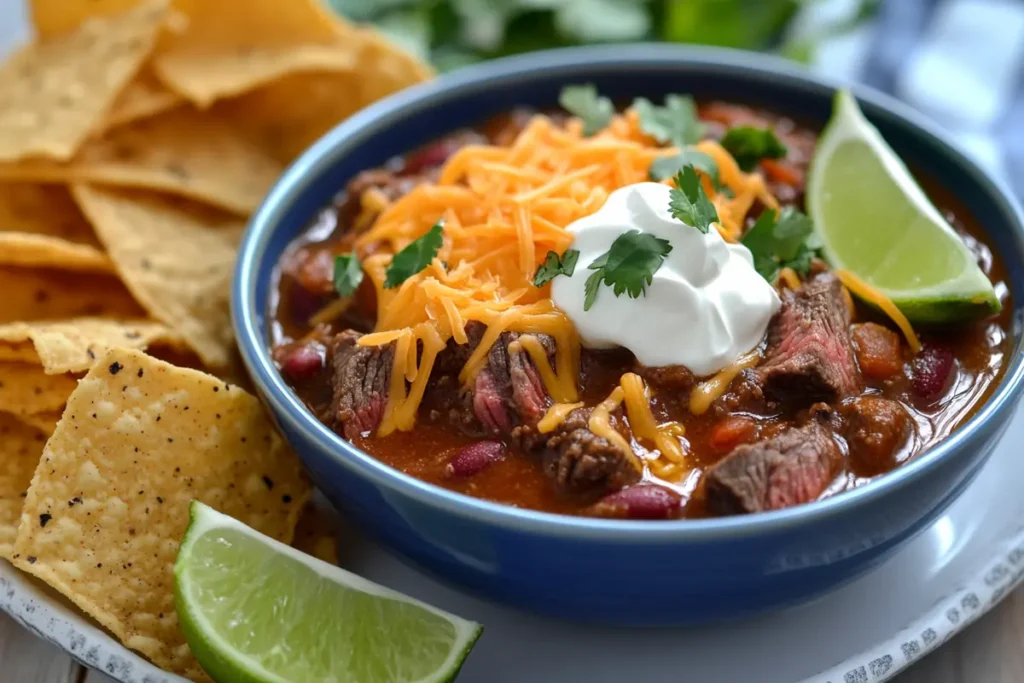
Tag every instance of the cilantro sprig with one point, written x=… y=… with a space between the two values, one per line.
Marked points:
x=555 y=265
x=748 y=145
x=689 y=203
x=628 y=266
x=416 y=256
x=667 y=167
x=584 y=102
x=675 y=123
x=348 y=274
x=787 y=242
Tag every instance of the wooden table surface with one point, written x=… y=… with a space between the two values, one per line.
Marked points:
x=989 y=651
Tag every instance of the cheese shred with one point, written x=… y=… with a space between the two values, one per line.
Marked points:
x=873 y=296
x=504 y=209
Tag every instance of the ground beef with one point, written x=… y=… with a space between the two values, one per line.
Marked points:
x=810 y=355
x=875 y=429
x=791 y=468
x=360 y=377
x=673 y=379
x=577 y=460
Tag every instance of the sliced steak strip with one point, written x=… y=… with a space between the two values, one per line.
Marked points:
x=789 y=469
x=810 y=356
x=508 y=390
x=576 y=459
x=360 y=377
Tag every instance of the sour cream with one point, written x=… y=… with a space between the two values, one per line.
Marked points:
x=705 y=308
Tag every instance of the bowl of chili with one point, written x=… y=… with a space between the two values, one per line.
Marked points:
x=812 y=463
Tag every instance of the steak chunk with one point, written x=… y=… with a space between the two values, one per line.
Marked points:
x=360 y=377
x=810 y=355
x=792 y=468
x=508 y=390
x=577 y=460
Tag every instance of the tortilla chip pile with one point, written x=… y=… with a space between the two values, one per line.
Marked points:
x=136 y=138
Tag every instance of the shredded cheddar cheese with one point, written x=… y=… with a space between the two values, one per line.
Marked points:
x=789 y=276
x=556 y=415
x=873 y=296
x=705 y=393
x=600 y=422
x=504 y=209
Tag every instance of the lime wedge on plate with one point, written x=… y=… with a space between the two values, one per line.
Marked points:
x=875 y=220
x=254 y=609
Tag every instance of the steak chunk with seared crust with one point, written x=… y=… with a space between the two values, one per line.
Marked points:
x=577 y=460
x=792 y=468
x=508 y=390
x=810 y=355
x=360 y=377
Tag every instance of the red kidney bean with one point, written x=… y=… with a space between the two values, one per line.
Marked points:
x=475 y=458
x=931 y=371
x=645 y=501
x=302 y=361
x=430 y=156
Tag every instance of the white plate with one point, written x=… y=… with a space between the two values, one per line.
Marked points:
x=864 y=633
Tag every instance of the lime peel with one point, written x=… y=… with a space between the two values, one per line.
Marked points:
x=256 y=610
x=875 y=220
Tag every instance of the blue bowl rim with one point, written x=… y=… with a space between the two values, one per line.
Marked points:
x=317 y=160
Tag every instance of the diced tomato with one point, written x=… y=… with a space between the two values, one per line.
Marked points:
x=879 y=351
x=731 y=432
x=781 y=172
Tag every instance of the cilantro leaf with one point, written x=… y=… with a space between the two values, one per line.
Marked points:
x=628 y=266
x=760 y=240
x=584 y=102
x=554 y=265
x=666 y=167
x=675 y=123
x=783 y=243
x=748 y=145
x=689 y=203
x=416 y=256
x=348 y=273
x=791 y=232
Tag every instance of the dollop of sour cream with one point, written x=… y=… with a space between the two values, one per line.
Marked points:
x=705 y=307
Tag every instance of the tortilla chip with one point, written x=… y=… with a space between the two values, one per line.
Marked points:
x=54 y=17
x=269 y=117
x=176 y=262
x=23 y=249
x=230 y=48
x=315 y=534
x=44 y=422
x=386 y=67
x=73 y=345
x=46 y=294
x=143 y=97
x=44 y=210
x=25 y=389
x=139 y=440
x=58 y=92
x=41 y=226
x=21 y=445
x=183 y=151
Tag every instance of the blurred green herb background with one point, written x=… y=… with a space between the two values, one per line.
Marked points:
x=453 y=33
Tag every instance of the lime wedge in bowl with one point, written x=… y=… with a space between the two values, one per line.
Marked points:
x=875 y=220
x=253 y=609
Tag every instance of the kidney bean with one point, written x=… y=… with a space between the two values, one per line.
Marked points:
x=475 y=458
x=302 y=361
x=931 y=371
x=645 y=501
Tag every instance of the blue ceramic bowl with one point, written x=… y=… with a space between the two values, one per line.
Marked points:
x=639 y=573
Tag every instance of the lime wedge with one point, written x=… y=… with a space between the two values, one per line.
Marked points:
x=253 y=609
x=875 y=220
